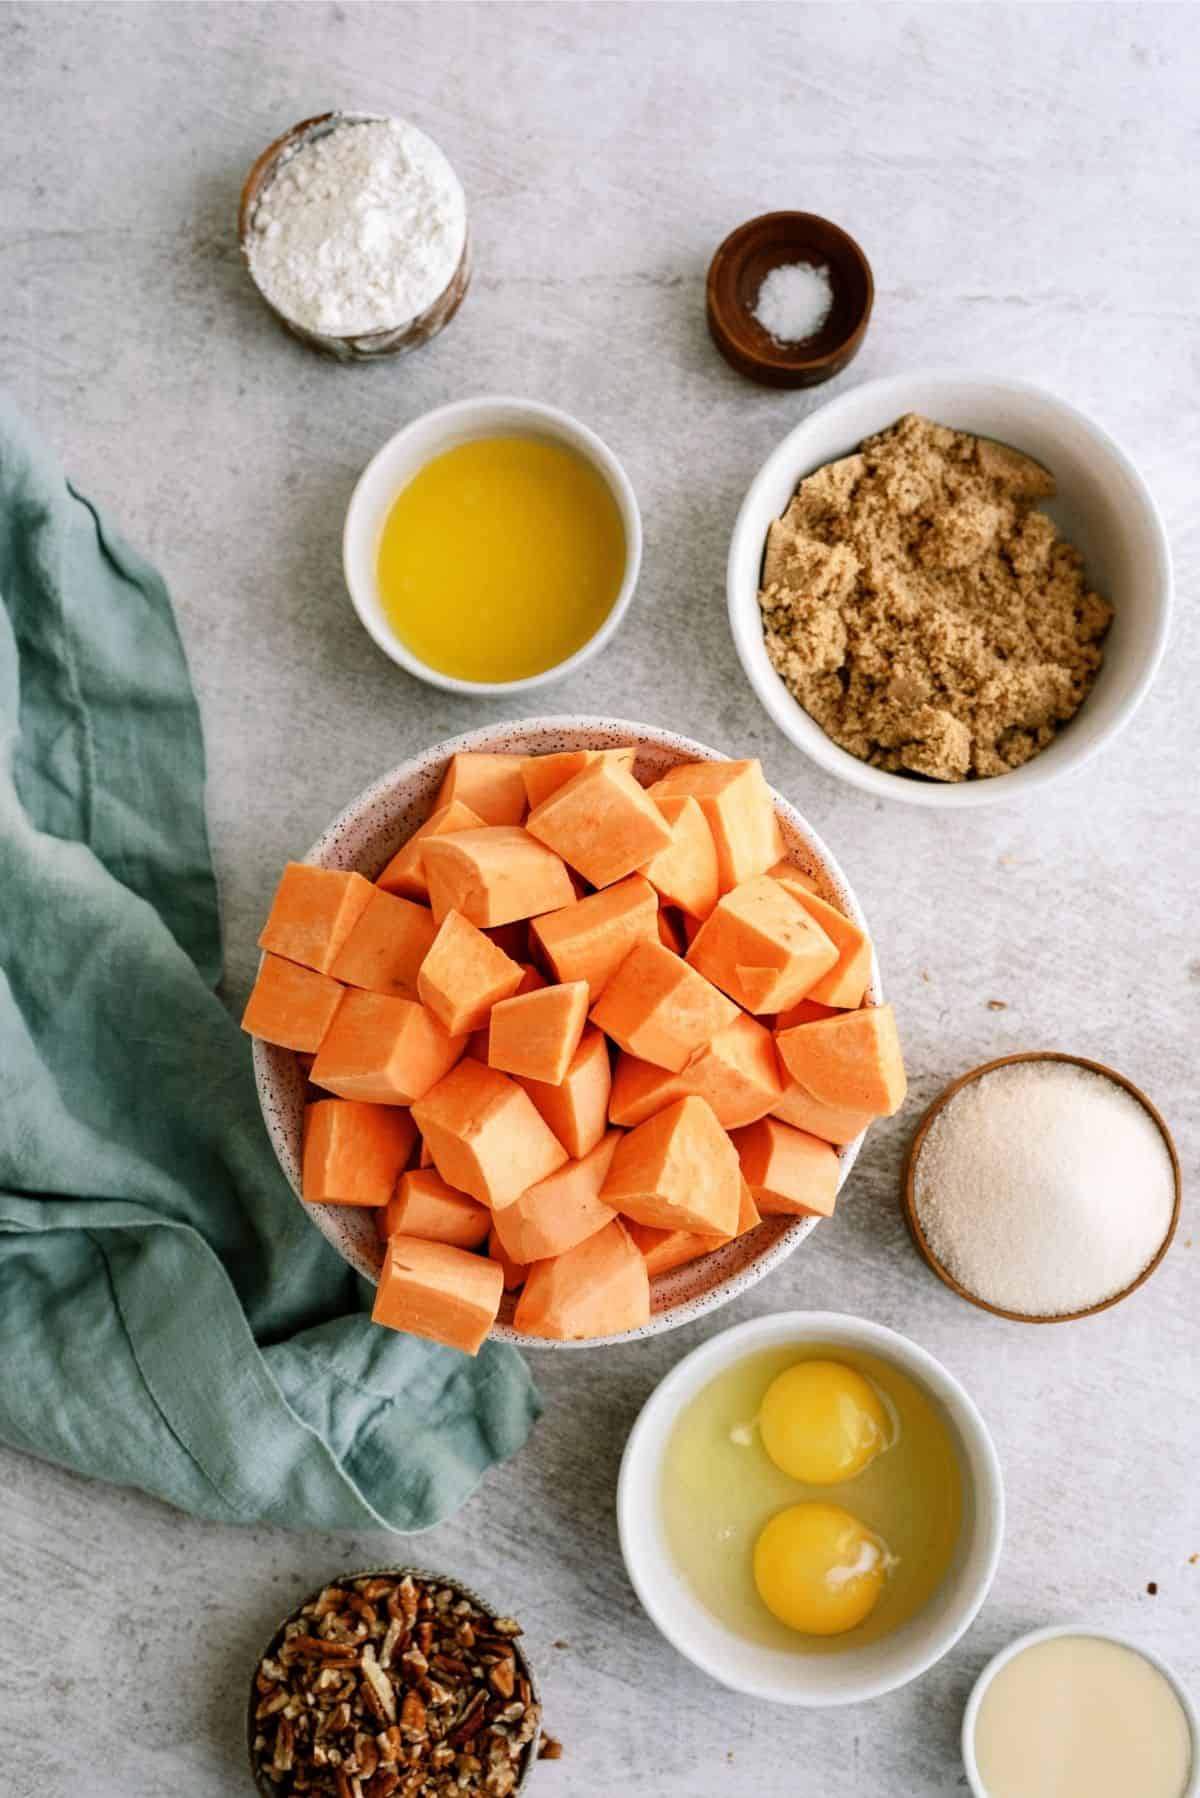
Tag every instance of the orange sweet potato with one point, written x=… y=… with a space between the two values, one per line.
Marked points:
x=536 y=1034
x=485 y=1135
x=678 y=1170
x=464 y=974
x=561 y=1210
x=405 y=873
x=385 y=1050
x=544 y=774
x=598 y=1288
x=685 y=872
x=577 y=1108
x=490 y=784
x=433 y=1289
x=788 y=1171
x=736 y=1074
x=661 y=1010
x=589 y=939
x=761 y=947
x=852 y=1060
x=390 y=939
x=312 y=914
x=424 y=1205
x=354 y=1153
x=736 y=801
x=291 y=1005
x=832 y=1123
x=494 y=876
x=514 y=1273
x=601 y=822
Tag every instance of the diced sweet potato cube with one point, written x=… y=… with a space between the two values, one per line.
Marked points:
x=514 y=1273
x=736 y=801
x=490 y=784
x=678 y=1171
x=544 y=774
x=793 y=878
x=291 y=1005
x=532 y=980
x=685 y=872
x=598 y=1288
x=661 y=1010
x=354 y=1153
x=736 y=1074
x=577 y=1109
x=663 y=1250
x=561 y=1210
x=536 y=1034
x=386 y=947
x=832 y=1123
x=670 y=931
x=761 y=947
x=486 y=1136
x=602 y=823
x=433 y=1289
x=463 y=975
x=312 y=914
x=405 y=873
x=667 y=1249
x=804 y=1011
x=853 y=1060
x=590 y=939
x=424 y=1205
x=846 y=982
x=494 y=876
x=384 y=1050
x=788 y=1171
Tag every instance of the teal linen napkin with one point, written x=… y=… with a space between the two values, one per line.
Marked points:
x=169 y=1318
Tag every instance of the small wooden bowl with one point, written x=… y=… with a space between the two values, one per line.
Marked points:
x=264 y=1786
x=910 y=1171
x=367 y=345
x=738 y=270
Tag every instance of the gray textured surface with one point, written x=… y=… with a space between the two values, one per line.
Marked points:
x=1018 y=178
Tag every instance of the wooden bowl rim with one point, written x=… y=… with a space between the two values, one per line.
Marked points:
x=424 y=1577
x=833 y=358
x=910 y=1169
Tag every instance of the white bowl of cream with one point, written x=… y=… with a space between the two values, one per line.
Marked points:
x=1079 y=1712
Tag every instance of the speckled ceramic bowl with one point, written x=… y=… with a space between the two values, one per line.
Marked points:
x=366 y=836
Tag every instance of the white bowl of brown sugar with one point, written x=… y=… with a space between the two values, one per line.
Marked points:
x=949 y=590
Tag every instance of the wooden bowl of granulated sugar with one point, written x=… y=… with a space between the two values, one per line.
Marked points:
x=354 y=230
x=1043 y=1187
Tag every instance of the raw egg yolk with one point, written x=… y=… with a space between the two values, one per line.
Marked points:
x=818 y=1569
x=822 y=1423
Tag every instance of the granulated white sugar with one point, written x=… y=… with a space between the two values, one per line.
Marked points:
x=1044 y=1188
x=360 y=229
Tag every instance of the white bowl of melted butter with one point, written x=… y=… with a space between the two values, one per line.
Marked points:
x=1079 y=1712
x=702 y=1500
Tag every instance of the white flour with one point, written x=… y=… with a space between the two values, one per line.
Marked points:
x=360 y=230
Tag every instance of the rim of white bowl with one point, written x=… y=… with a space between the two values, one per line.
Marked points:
x=1052 y=1631
x=459 y=420
x=787 y=713
x=687 y=1377
x=325 y=852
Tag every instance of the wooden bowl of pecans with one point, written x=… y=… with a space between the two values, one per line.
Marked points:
x=394 y=1684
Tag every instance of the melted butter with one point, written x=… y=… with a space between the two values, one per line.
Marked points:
x=501 y=558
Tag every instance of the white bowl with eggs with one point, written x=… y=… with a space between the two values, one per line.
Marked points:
x=796 y=1676
x=403 y=457
x=1103 y=506
x=367 y=834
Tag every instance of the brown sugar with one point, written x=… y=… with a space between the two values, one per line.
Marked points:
x=924 y=612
